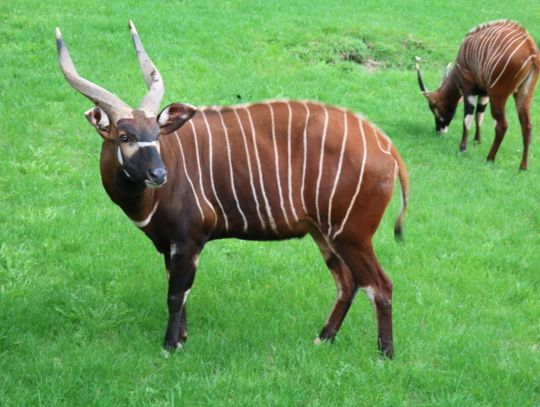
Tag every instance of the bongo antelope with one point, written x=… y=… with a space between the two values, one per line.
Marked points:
x=496 y=60
x=262 y=171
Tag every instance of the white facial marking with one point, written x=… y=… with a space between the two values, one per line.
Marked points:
x=121 y=161
x=147 y=143
x=174 y=249
x=129 y=149
x=119 y=156
x=196 y=261
x=444 y=130
x=468 y=121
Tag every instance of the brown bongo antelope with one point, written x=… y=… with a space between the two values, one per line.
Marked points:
x=495 y=60
x=263 y=171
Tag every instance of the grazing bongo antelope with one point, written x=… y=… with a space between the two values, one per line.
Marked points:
x=496 y=60
x=263 y=171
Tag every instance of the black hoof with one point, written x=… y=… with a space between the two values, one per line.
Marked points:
x=386 y=349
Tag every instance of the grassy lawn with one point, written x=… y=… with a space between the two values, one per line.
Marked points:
x=82 y=291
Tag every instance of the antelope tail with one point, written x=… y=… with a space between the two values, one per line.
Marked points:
x=404 y=183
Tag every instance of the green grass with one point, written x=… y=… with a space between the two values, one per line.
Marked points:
x=82 y=291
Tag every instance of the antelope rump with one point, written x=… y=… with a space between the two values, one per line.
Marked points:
x=263 y=171
x=495 y=60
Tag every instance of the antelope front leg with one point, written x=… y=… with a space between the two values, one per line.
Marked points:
x=467 y=120
x=181 y=267
x=479 y=117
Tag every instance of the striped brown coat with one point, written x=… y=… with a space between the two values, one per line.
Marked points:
x=495 y=60
x=263 y=171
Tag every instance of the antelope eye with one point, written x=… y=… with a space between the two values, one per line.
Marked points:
x=124 y=138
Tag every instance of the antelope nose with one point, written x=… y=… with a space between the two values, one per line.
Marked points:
x=157 y=175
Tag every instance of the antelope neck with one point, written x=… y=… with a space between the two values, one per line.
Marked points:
x=138 y=202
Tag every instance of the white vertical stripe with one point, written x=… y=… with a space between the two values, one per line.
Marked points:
x=508 y=61
x=231 y=172
x=360 y=179
x=195 y=139
x=289 y=164
x=495 y=42
x=189 y=178
x=502 y=49
x=263 y=225
x=305 y=159
x=211 y=166
x=261 y=178
x=321 y=160
x=378 y=135
x=276 y=161
x=524 y=64
x=338 y=173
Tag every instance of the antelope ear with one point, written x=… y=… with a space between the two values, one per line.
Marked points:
x=174 y=116
x=430 y=96
x=100 y=121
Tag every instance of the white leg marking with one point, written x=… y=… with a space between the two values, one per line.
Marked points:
x=321 y=160
x=360 y=179
x=211 y=165
x=338 y=173
x=251 y=182
x=195 y=140
x=189 y=178
x=482 y=101
x=370 y=292
x=479 y=118
x=468 y=121
x=276 y=161
x=261 y=180
x=231 y=172
x=186 y=293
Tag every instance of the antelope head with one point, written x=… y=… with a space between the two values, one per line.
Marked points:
x=133 y=132
x=442 y=107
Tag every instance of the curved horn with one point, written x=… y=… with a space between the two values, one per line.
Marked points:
x=447 y=70
x=115 y=108
x=420 y=79
x=152 y=77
